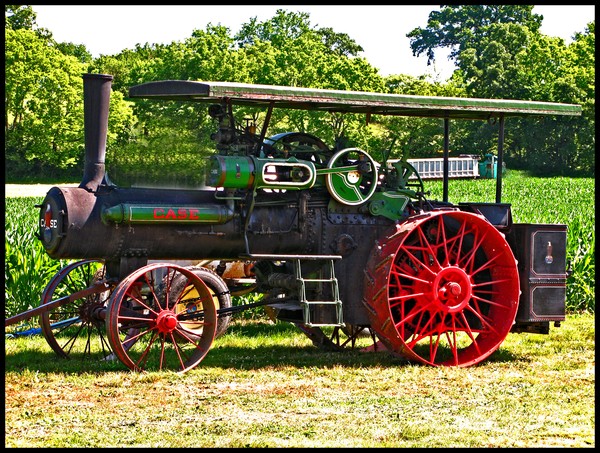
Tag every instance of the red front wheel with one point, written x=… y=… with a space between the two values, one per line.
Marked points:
x=443 y=289
x=149 y=323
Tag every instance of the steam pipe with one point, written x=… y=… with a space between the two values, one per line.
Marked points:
x=96 y=100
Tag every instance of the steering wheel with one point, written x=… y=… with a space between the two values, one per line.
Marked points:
x=351 y=176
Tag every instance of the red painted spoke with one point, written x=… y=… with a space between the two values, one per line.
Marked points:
x=487 y=265
x=420 y=335
x=433 y=347
x=467 y=262
x=466 y=327
x=480 y=291
x=459 y=241
x=186 y=336
x=491 y=302
x=442 y=240
x=426 y=245
x=411 y=277
x=457 y=324
x=161 y=359
x=140 y=301
x=477 y=310
x=178 y=350
x=142 y=360
x=415 y=259
x=399 y=299
x=434 y=350
x=453 y=344
x=471 y=334
x=407 y=318
x=170 y=278
x=420 y=332
x=486 y=322
x=187 y=291
x=491 y=282
x=135 y=318
x=149 y=279
x=132 y=339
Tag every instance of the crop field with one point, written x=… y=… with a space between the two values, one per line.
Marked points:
x=566 y=201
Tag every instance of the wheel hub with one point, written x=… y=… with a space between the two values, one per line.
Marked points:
x=166 y=321
x=452 y=289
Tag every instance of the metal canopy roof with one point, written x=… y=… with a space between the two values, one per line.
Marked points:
x=347 y=101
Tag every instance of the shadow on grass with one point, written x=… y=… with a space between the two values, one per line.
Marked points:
x=248 y=353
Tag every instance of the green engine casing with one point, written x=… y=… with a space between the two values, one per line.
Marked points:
x=247 y=172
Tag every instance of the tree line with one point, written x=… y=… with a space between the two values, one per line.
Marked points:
x=498 y=50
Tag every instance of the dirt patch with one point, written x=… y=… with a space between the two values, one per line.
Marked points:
x=31 y=190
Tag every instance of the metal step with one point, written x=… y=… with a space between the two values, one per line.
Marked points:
x=328 y=266
x=306 y=304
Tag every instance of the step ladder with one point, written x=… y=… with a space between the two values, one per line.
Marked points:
x=327 y=268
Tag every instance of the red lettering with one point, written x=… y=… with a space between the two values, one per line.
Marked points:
x=176 y=214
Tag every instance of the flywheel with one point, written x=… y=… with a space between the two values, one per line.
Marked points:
x=443 y=289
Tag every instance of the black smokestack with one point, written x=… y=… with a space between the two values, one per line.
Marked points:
x=96 y=100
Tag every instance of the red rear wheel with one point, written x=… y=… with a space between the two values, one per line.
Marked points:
x=443 y=289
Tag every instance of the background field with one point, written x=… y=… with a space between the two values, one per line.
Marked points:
x=559 y=200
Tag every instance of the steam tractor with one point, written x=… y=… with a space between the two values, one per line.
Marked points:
x=338 y=244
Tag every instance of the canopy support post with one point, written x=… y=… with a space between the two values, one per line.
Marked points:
x=446 y=154
x=499 y=161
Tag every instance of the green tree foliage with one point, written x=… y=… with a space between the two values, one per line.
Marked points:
x=498 y=50
x=461 y=27
x=79 y=51
x=44 y=102
x=500 y=53
x=17 y=17
x=43 y=106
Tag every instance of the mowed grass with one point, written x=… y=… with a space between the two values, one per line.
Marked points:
x=265 y=385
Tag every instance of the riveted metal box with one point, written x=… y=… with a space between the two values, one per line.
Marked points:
x=540 y=250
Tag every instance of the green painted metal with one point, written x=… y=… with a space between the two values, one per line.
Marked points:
x=234 y=172
x=347 y=101
x=245 y=172
x=388 y=204
x=162 y=213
